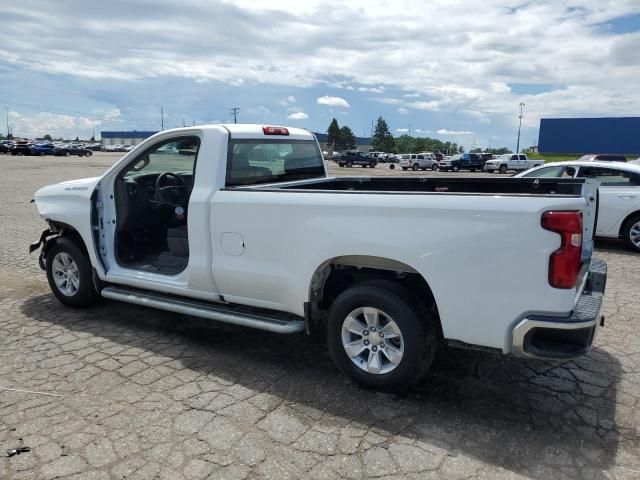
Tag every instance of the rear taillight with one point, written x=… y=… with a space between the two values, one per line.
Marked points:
x=275 y=131
x=564 y=263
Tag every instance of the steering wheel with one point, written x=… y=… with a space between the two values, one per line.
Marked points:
x=169 y=194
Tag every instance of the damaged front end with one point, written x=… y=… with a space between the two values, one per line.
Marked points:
x=45 y=241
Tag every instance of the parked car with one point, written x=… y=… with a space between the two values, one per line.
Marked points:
x=5 y=147
x=465 y=161
x=511 y=161
x=353 y=157
x=619 y=209
x=602 y=157
x=67 y=150
x=487 y=156
x=289 y=250
x=418 y=161
x=21 y=148
x=44 y=148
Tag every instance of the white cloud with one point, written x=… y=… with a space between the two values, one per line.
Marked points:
x=332 y=101
x=297 y=116
x=468 y=60
x=201 y=80
x=379 y=89
x=430 y=105
x=444 y=131
x=419 y=130
x=386 y=100
x=260 y=110
x=402 y=111
x=402 y=130
x=291 y=99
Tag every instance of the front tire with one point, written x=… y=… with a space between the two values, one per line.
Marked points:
x=415 y=167
x=377 y=335
x=69 y=274
x=434 y=167
x=631 y=233
x=503 y=169
x=455 y=168
x=349 y=164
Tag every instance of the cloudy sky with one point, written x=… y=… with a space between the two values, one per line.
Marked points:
x=448 y=69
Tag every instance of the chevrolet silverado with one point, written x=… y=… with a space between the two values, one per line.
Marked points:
x=241 y=224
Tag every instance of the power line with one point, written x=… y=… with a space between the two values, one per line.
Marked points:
x=234 y=112
x=88 y=116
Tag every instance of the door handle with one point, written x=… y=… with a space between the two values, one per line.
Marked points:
x=627 y=196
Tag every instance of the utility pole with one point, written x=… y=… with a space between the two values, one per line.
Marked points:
x=234 y=112
x=161 y=118
x=6 y=109
x=519 y=127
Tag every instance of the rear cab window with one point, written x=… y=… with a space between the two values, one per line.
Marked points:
x=253 y=162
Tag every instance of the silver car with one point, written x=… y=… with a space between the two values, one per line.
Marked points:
x=418 y=161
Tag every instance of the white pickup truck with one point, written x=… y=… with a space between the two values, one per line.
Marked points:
x=241 y=224
x=511 y=161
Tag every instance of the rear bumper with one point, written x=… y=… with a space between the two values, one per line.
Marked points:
x=540 y=336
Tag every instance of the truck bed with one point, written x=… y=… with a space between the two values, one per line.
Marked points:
x=428 y=185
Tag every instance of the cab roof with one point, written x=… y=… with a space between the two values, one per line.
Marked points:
x=255 y=130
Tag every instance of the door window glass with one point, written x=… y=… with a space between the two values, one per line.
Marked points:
x=177 y=155
x=610 y=176
x=549 y=172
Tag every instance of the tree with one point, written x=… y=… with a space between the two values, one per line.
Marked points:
x=461 y=149
x=333 y=135
x=347 y=139
x=382 y=140
x=47 y=137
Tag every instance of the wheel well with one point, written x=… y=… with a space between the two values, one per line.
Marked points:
x=627 y=218
x=70 y=233
x=336 y=275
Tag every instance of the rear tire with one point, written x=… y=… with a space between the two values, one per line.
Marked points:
x=70 y=275
x=67 y=154
x=404 y=169
x=372 y=164
x=410 y=338
x=455 y=168
x=631 y=233
x=349 y=163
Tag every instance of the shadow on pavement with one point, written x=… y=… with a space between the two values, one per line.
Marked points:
x=530 y=417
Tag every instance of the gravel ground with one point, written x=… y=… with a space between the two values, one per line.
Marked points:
x=118 y=391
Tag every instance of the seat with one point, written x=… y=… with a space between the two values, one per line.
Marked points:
x=178 y=240
x=240 y=171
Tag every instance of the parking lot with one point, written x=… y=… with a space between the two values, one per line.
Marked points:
x=119 y=391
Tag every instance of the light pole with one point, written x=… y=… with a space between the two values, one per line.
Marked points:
x=519 y=127
x=6 y=109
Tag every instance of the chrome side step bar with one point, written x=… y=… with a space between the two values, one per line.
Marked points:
x=243 y=316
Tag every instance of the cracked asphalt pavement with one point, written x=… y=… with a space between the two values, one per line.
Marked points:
x=124 y=392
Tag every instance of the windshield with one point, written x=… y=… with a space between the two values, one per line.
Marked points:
x=253 y=162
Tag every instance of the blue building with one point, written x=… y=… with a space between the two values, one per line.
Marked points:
x=124 y=137
x=590 y=135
